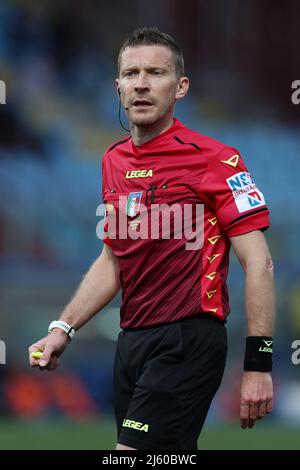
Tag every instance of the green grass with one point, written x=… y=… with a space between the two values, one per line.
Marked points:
x=101 y=435
x=261 y=437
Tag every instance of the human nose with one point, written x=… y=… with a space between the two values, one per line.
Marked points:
x=142 y=83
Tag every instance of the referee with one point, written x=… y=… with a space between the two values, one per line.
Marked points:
x=172 y=347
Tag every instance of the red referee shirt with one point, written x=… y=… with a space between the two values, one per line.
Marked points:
x=163 y=281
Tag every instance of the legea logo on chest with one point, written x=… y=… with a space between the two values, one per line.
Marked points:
x=139 y=174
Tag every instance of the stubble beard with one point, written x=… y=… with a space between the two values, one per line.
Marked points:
x=144 y=119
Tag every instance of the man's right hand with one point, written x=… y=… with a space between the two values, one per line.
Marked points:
x=52 y=347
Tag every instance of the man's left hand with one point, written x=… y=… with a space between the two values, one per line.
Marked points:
x=256 y=397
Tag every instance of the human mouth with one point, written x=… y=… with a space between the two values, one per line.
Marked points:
x=142 y=103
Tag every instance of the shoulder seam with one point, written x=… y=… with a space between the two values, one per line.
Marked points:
x=187 y=143
x=118 y=143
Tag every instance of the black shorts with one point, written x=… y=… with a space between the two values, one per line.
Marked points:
x=164 y=380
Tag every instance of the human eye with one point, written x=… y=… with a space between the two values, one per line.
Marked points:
x=157 y=72
x=129 y=73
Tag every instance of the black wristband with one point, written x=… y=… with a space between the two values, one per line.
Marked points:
x=258 y=354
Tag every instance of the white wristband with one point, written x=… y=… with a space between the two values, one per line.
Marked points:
x=63 y=326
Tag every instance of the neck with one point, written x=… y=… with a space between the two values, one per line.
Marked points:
x=142 y=134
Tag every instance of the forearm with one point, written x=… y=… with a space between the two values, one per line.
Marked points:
x=256 y=390
x=260 y=299
x=99 y=286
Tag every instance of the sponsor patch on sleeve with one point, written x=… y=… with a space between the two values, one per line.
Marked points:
x=245 y=193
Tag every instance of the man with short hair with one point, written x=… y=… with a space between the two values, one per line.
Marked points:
x=172 y=348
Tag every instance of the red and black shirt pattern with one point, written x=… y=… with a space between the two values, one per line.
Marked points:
x=161 y=280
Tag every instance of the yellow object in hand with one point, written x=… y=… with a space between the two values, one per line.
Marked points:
x=37 y=354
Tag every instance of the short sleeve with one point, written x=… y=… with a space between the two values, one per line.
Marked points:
x=229 y=190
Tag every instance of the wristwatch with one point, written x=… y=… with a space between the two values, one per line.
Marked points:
x=63 y=326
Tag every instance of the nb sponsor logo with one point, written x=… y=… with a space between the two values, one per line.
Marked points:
x=245 y=193
x=241 y=182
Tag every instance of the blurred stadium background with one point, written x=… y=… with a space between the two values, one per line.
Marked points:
x=58 y=60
